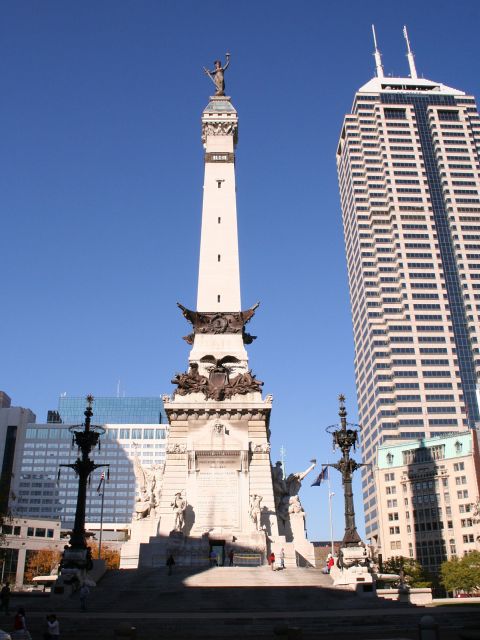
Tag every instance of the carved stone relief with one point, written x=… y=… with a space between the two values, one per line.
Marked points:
x=176 y=448
x=216 y=323
x=219 y=385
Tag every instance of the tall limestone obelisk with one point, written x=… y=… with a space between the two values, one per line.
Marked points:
x=217 y=490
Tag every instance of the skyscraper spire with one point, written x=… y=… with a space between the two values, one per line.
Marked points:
x=411 y=59
x=377 y=55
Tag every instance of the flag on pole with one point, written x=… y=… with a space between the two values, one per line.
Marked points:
x=101 y=483
x=323 y=475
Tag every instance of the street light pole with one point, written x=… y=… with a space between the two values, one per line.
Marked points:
x=77 y=558
x=345 y=438
x=102 y=485
x=330 y=496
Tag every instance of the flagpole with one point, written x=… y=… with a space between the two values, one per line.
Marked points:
x=101 y=520
x=330 y=495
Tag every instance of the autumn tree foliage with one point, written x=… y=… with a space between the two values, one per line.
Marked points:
x=109 y=554
x=41 y=563
x=413 y=572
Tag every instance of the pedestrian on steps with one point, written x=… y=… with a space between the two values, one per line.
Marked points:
x=170 y=563
x=53 y=628
x=20 y=631
x=282 y=558
x=213 y=558
x=5 y=599
x=84 y=593
x=271 y=561
x=330 y=563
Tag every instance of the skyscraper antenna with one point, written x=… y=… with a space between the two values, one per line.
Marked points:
x=410 y=58
x=377 y=55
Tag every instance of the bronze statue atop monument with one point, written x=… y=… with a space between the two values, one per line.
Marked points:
x=217 y=75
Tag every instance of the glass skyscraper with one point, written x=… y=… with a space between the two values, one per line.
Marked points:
x=134 y=426
x=113 y=410
x=409 y=174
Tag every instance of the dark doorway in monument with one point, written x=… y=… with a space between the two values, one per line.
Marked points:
x=217 y=547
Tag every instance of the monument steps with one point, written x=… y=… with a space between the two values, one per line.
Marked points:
x=215 y=589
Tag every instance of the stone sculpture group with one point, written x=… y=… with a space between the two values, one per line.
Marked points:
x=286 y=490
x=148 y=489
x=219 y=385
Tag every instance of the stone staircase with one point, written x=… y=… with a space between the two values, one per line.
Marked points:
x=213 y=589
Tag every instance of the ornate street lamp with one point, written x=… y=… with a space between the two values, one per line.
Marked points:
x=77 y=558
x=345 y=436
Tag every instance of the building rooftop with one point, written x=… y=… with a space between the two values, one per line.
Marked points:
x=407 y=85
x=390 y=453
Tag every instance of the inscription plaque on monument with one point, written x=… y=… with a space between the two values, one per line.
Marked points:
x=217 y=503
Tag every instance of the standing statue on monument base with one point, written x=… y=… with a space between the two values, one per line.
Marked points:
x=179 y=505
x=255 y=510
x=217 y=75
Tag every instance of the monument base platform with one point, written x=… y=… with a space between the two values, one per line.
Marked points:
x=195 y=551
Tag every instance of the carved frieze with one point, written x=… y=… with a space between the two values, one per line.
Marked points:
x=260 y=448
x=176 y=448
x=220 y=128
x=227 y=414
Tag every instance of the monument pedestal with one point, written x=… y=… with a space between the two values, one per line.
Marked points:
x=352 y=569
x=218 y=469
x=304 y=550
x=141 y=531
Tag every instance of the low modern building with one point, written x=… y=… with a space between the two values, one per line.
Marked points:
x=428 y=490
x=24 y=536
x=134 y=427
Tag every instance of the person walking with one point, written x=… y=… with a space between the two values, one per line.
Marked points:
x=20 y=631
x=230 y=557
x=53 y=628
x=213 y=558
x=330 y=563
x=5 y=598
x=170 y=563
x=84 y=593
x=271 y=561
x=282 y=558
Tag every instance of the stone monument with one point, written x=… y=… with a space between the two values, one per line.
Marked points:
x=218 y=490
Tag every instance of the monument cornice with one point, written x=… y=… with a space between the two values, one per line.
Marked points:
x=175 y=413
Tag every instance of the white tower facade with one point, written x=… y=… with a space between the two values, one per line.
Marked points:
x=219 y=271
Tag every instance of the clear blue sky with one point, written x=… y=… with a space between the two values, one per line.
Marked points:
x=101 y=171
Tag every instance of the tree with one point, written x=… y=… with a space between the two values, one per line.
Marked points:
x=462 y=574
x=109 y=554
x=41 y=563
x=414 y=574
